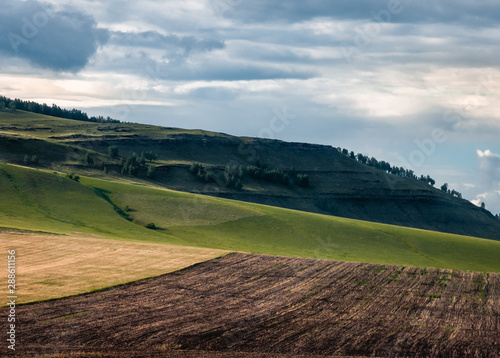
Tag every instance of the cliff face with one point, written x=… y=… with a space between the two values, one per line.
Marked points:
x=343 y=187
x=338 y=185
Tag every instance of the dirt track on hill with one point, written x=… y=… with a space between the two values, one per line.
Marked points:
x=263 y=304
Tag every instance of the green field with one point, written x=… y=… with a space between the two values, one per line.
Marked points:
x=42 y=201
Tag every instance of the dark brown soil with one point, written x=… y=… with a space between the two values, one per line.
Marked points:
x=261 y=306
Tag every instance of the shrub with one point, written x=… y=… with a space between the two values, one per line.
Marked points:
x=195 y=168
x=74 y=177
x=151 y=226
x=149 y=156
x=30 y=159
x=278 y=176
x=151 y=172
x=202 y=173
x=433 y=296
x=255 y=172
x=207 y=177
x=233 y=175
x=88 y=159
x=302 y=180
x=130 y=165
x=113 y=151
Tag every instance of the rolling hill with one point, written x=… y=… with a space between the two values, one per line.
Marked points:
x=338 y=185
x=43 y=201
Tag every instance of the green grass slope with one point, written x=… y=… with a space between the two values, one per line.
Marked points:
x=34 y=125
x=37 y=200
x=40 y=201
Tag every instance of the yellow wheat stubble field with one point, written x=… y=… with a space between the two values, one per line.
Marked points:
x=53 y=266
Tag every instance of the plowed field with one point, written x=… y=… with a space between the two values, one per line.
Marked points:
x=265 y=304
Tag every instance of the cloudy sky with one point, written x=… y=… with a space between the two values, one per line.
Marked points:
x=415 y=83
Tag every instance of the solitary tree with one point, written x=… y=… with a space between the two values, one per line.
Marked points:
x=444 y=187
x=88 y=159
x=113 y=151
x=151 y=172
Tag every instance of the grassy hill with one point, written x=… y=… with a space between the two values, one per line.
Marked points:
x=339 y=185
x=43 y=201
x=38 y=201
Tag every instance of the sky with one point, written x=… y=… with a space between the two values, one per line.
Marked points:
x=414 y=83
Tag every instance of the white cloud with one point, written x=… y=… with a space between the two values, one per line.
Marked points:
x=487 y=154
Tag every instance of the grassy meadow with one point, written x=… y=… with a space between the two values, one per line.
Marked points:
x=42 y=201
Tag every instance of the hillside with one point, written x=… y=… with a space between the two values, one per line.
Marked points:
x=42 y=201
x=338 y=185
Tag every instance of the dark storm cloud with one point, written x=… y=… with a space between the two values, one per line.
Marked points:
x=176 y=47
x=481 y=13
x=49 y=38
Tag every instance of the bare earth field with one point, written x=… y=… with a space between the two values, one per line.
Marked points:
x=243 y=305
x=53 y=266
